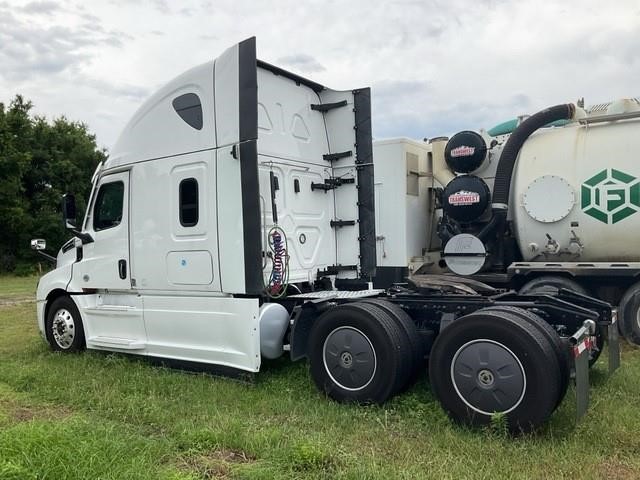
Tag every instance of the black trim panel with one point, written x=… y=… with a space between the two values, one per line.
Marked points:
x=199 y=367
x=248 y=91
x=248 y=128
x=366 y=195
x=387 y=276
x=316 y=87
x=251 y=217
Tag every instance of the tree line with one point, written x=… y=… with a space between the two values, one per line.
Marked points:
x=40 y=160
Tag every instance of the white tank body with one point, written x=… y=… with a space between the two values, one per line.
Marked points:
x=575 y=193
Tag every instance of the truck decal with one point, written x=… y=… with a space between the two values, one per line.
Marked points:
x=610 y=196
x=463 y=151
x=464 y=197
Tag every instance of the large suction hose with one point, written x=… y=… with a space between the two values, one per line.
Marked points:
x=494 y=231
x=504 y=171
x=511 y=149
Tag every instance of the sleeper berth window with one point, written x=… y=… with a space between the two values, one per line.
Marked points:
x=188 y=205
x=189 y=107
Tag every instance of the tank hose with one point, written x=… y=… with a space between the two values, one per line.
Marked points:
x=504 y=171
x=512 y=148
x=447 y=229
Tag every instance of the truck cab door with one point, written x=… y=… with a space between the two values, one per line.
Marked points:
x=105 y=261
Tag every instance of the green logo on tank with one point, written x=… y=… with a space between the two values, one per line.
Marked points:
x=611 y=196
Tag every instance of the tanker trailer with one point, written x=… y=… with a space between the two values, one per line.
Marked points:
x=547 y=202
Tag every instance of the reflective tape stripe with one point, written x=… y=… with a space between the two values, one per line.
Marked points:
x=586 y=344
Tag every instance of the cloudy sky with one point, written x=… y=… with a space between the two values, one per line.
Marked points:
x=435 y=66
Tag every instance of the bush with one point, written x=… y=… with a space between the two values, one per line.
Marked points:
x=7 y=263
x=24 y=269
x=40 y=160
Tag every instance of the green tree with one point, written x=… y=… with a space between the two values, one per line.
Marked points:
x=39 y=162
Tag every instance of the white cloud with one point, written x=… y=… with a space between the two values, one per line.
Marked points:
x=300 y=62
x=435 y=66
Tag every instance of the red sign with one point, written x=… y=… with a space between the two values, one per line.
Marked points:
x=464 y=198
x=462 y=151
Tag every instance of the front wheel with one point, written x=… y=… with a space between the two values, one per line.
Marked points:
x=63 y=326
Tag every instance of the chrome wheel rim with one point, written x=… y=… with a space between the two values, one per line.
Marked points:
x=349 y=358
x=63 y=328
x=488 y=377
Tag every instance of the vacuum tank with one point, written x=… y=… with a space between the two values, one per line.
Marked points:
x=547 y=202
x=576 y=193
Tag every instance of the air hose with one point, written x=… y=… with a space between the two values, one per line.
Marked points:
x=279 y=278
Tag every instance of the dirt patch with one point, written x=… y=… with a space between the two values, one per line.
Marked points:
x=232 y=456
x=214 y=464
x=25 y=413
x=614 y=469
x=12 y=301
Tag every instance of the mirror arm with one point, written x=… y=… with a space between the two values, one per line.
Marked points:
x=47 y=256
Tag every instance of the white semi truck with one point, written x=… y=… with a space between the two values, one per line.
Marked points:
x=234 y=221
x=536 y=204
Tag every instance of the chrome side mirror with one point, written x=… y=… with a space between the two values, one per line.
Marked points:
x=38 y=244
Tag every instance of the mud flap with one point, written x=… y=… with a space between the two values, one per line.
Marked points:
x=613 y=343
x=580 y=347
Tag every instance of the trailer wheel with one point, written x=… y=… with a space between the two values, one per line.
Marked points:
x=63 y=326
x=551 y=284
x=411 y=335
x=357 y=354
x=629 y=314
x=491 y=362
x=561 y=350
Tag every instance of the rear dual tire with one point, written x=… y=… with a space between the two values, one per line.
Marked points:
x=551 y=285
x=359 y=353
x=495 y=362
x=552 y=336
x=410 y=335
x=629 y=314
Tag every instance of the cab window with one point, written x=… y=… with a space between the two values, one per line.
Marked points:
x=108 y=209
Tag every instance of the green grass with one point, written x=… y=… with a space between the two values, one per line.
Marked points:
x=104 y=416
x=14 y=289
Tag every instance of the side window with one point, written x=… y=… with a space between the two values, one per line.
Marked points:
x=188 y=202
x=189 y=108
x=107 y=212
